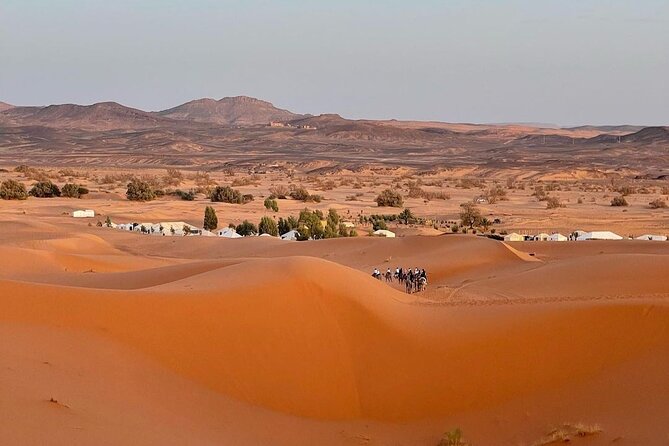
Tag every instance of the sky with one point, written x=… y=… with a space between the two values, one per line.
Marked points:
x=565 y=62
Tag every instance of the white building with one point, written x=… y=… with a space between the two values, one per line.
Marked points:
x=228 y=233
x=514 y=237
x=384 y=233
x=599 y=235
x=557 y=237
x=88 y=213
x=655 y=238
x=290 y=235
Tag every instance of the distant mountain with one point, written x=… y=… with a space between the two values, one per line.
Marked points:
x=608 y=128
x=4 y=106
x=100 y=116
x=239 y=111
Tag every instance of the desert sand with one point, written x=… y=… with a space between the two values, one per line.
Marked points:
x=111 y=338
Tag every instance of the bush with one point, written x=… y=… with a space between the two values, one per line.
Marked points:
x=271 y=204
x=13 y=190
x=140 y=191
x=619 y=201
x=279 y=191
x=246 y=228
x=210 y=219
x=268 y=226
x=495 y=194
x=553 y=203
x=299 y=193
x=390 y=198
x=45 y=189
x=407 y=217
x=452 y=438
x=186 y=196
x=72 y=190
x=379 y=224
x=173 y=177
x=226 y=194
x=658 y=204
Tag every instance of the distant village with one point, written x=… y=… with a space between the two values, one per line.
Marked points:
x=182 y=229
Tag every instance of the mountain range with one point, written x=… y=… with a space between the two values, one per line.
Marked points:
x=237 y=127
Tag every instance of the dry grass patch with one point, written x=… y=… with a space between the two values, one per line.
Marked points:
x=567 y=432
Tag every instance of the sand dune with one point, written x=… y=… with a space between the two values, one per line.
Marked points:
x=291 y=343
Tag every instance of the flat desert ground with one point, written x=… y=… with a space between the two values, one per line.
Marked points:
x=110 y=337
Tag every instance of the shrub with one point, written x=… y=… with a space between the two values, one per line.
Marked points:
x=553 y=203
x=173 y=177
x=186 y=196
x=13 y=190
x=495 y=194
x=271 y=204
x=45 y=189
x=139 y=191
x=247 y=198
x=268 y=226
x=390 y=198
x=299 y=193
x=226 y=194
x=279 y=191
x=246 y=228
x=619 y=201
x=72 y=190
x=452 y=438
x=470 y=215
x=658 y=204
x=379 y=224
x=210 y=219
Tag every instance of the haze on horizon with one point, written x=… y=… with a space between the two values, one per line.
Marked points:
x=567 y=63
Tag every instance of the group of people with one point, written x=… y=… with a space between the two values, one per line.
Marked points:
x=413 y=279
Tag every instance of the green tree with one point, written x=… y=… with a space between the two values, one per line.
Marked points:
x=310 y=226
x=246 y=228
x=287 y=224
x=13 y=190
x=210 y=219
x=268 y=226
x=470 y=215
x=140 y=191
x=271 y=204
x=407 y=217
x=390 y=198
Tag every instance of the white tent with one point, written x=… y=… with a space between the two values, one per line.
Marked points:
x=599 y=235
x=88 y=213
x=290 y=235
x=228 y=233
x=542 y=237
x=514 y=237
x=557 y=237
x=655 y=238
x=384 y=233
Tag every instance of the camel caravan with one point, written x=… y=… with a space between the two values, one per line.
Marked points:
x=414 y=280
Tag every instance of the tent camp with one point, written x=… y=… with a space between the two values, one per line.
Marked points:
x=514 y=237
x=290 y=235
x=228 y=233
x=384 y=233
x=599 y=235
x=88 y=213
x=557 y=237
x=651 y=237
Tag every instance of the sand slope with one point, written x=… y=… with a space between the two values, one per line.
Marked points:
x=269 y=344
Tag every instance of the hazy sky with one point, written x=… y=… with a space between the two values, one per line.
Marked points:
x=553 y=61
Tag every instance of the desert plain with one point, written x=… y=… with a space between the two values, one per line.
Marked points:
x=114 y=337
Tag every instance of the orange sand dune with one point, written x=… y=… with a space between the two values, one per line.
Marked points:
x=266 y=343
